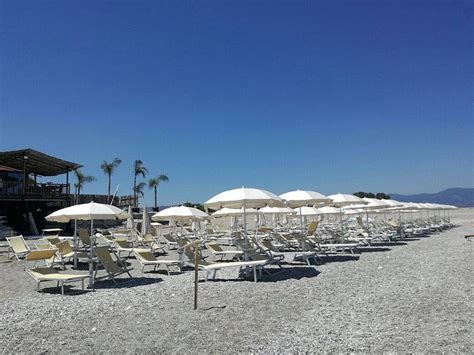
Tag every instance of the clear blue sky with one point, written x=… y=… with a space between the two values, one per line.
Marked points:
x=358 y=95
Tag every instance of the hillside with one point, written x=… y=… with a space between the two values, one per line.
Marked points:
x=458 y=196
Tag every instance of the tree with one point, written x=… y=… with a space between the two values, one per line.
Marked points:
x=139 y=191
x=108 y=169
x=359 y=194
x=81 y=180
x=153 y=183
x=138 y=169
x=382 y=196
x=369 y=195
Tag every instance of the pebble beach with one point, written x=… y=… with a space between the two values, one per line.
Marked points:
x=409 y=296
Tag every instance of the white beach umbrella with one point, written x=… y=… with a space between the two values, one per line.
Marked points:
x=146 y=226
x=329 y=210
x=180 y=214
x=87 y=212
x=307 y=211
x=276 y=210
x=234 y=213
x=228 y=212
x=300 y=198
x=244 y=197
x=130 y=221
x=341 y=200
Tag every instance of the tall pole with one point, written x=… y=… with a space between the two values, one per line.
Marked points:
x=196 y=276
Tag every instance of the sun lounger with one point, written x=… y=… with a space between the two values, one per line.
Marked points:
x=124 y=246
x=112 y=267
x=18 y=246
x=171 y=242
x=213 y=267
x=216 y=250
x=147 y=258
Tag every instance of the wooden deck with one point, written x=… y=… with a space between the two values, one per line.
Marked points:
x=15 y=191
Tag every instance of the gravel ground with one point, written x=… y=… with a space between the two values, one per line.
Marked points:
x=414 y=297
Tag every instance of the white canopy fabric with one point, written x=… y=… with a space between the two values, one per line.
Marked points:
x=394 y=203
x=130 y=221
x=87 y=212
x=244 y=196
x=375 y=203
x=146 y=226
x=346 y=199
x=329 y=210
x=307 y=211
x=226 y=212
x=180 y=213
x=276 y=210
x=299 y=198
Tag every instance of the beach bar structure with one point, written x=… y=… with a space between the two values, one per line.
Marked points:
x=20 y=191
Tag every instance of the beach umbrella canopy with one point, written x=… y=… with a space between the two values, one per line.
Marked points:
x=329 y=210
x=227 y=212
x=180 y=213
x=299 y=198
x=146 y=226
x=374 y=203
x=276 y=210
x=394 y=203
x=340 y=200
x=87 y=212
x=244 y=197
x=307 y=211
x=130 y=221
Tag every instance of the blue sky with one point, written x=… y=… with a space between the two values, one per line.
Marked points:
x=330 y=96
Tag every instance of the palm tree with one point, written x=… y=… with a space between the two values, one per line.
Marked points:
x=153 y=183
x=138 y=169
x=81 y=180
x=108 y=169
x=139 y=191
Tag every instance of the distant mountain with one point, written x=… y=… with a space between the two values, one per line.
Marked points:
x=457 y=196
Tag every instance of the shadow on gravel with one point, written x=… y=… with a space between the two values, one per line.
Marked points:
x=69 y=290
x=274 y=275
x=373 y=249
x=337 y=258
x=387 y=244
x=127 y=283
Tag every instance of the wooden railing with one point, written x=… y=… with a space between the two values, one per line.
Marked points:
x=17 y=189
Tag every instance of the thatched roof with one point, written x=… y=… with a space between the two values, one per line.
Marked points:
x=37 y=162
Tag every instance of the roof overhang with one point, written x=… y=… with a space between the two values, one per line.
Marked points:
x=36 y=162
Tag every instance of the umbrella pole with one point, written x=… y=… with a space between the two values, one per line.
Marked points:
x=301 y=221
x=75 y=243
x=91 y=261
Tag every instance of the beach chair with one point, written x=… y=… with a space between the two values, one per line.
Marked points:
x=18 y=246
x=216 y=250
x=313 y=226
x=147 y=258
x=112 y=267
x=214 y=267
x=53 y=239
x=124 y=246
x=85 y=238
x=44 y=274
x=170 y=241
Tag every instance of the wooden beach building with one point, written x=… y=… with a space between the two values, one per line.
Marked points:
x=21 y=194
